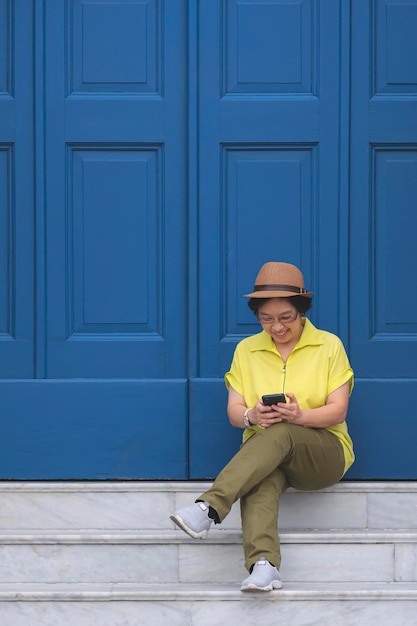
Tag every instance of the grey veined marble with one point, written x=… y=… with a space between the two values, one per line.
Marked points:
x=107 y=554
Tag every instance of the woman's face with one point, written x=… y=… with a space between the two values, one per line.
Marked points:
x=281 y=320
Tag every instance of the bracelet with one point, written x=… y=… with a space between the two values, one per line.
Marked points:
x=246 y=420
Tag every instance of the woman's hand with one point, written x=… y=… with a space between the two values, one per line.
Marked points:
x=282 y=412
x=258 y=415
x=265 y=416
x=290 y=412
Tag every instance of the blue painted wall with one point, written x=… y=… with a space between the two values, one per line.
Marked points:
x=153 y=154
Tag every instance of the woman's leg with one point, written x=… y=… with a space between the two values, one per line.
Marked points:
x=308 y=458
x=316 y=461
x=311 y=459
x=259 y=512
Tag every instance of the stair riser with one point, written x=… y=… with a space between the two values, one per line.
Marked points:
x=244 y=611
x=151 y=510
x=200 y=562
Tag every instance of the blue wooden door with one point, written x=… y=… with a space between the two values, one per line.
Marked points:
x=307 y=153
x=153 y=154
x=105 y=390
x=272 y=159
x=383 y=300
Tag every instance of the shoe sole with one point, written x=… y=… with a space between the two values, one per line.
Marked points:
x=275 y=584
x=181 y=524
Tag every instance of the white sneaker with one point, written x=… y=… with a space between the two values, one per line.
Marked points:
x=264 y=577
x=194 y=520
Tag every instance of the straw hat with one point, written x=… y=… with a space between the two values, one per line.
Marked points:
x=279 y=280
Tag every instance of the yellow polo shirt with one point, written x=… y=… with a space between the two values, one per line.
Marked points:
x=317 y=366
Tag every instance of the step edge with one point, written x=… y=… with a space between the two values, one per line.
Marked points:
x=181 y=592
x=97 y=536
x=188 y=486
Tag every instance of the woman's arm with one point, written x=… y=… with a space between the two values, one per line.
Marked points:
x=331 y=413
x=236 y=408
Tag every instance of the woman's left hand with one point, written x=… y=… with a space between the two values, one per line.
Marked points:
x=290 y=412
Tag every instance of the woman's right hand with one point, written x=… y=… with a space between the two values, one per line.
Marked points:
x=258 y=415
x=264 y=416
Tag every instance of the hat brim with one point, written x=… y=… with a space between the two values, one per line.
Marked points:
x=277 y=294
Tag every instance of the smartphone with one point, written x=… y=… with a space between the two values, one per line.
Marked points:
x=273 y=398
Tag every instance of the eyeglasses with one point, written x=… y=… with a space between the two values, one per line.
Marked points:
x=283 y=319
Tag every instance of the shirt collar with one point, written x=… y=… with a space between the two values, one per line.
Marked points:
x=311 y=336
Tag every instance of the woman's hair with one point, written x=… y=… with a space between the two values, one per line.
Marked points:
x=301 y=303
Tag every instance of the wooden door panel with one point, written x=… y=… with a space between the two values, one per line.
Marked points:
x=109 y=365
x=383 y=221
x=270 y=152
x=16 y=192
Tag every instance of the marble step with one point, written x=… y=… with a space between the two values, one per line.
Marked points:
x=168 y=557
x=134 y=505
x=350 y=604
x=80 y=553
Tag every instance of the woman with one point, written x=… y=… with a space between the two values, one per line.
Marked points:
x=301 y=443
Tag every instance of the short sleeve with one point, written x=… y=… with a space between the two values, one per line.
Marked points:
x=233 y=378
x=340 y=371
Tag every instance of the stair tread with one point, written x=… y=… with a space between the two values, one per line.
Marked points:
x=163 y=536
x=119 y=486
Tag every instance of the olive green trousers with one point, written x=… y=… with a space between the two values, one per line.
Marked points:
x=282 y=456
